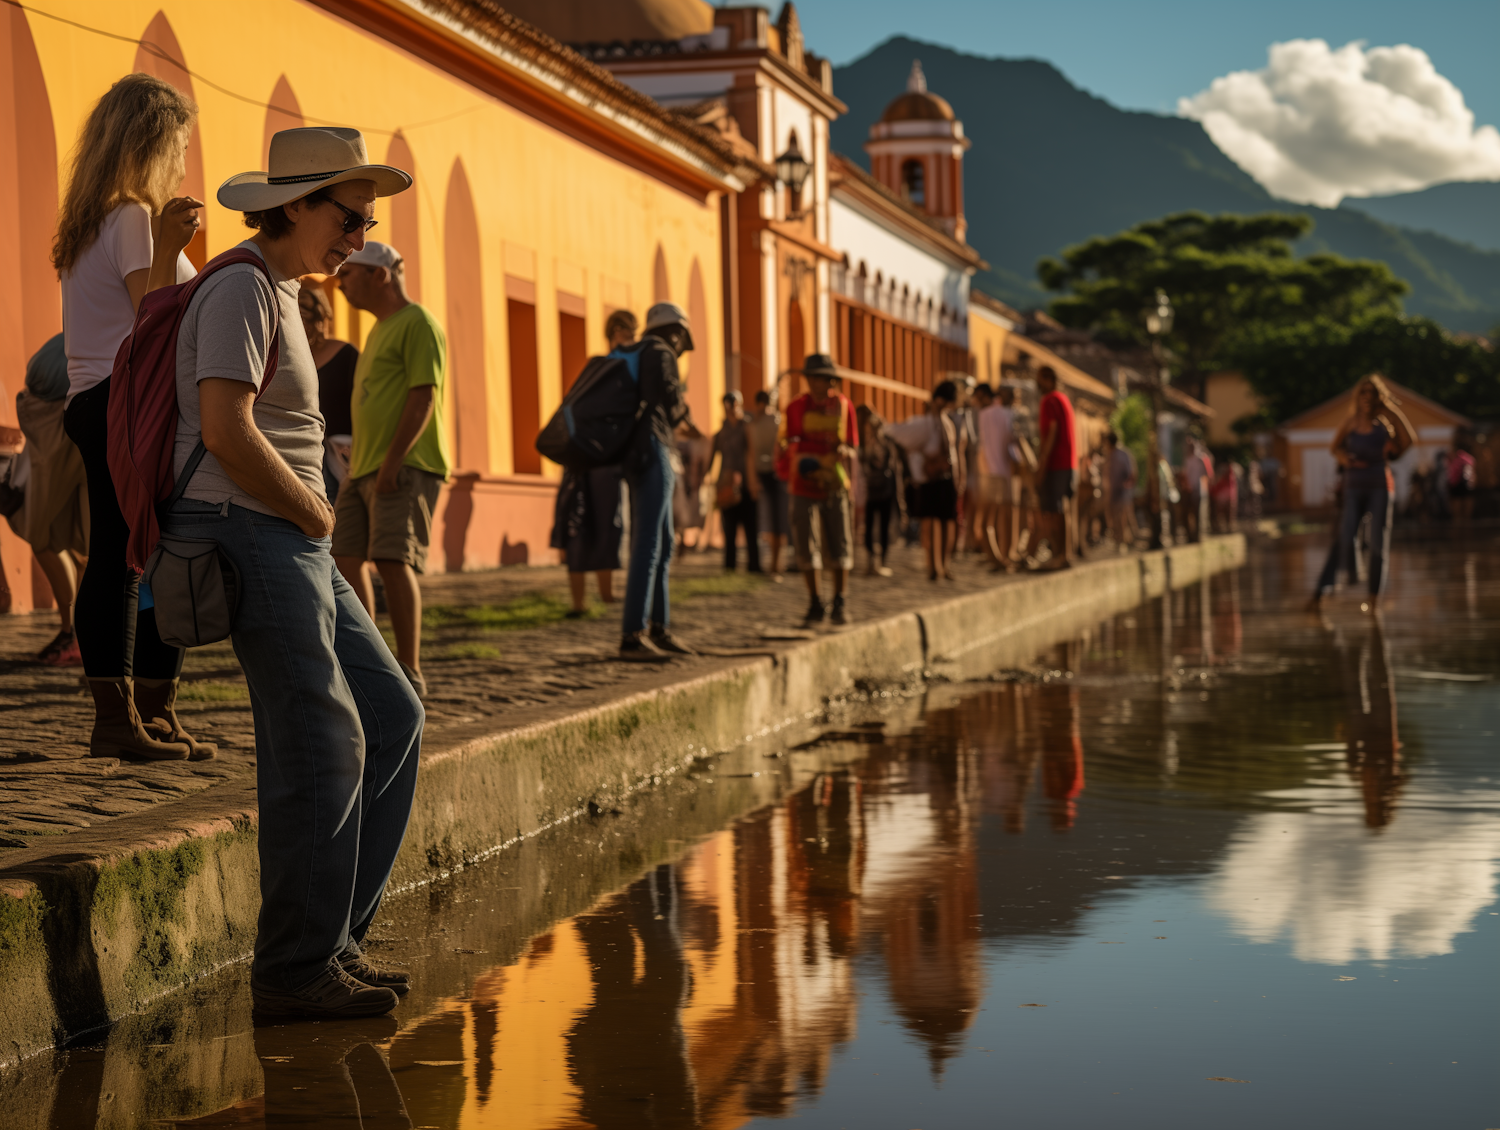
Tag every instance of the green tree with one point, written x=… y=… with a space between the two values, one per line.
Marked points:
x=1131 y=421
x=1295 y=367
x=1229 y=277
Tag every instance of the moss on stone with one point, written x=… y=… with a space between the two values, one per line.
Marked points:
x=155 y=884
x=23 y=952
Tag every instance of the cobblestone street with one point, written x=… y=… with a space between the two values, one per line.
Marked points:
x=497 y=653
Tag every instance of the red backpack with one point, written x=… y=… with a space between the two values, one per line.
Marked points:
x=142 y=426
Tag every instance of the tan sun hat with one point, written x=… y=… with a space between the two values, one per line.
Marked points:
x=305 y=160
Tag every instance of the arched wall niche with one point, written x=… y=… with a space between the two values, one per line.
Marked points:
x=160 y=55
x=661 y=285
x=405 y=217
x=30 y=299
x=700 y=396
x=796 y=347
x=465 y=306
x=283 y=112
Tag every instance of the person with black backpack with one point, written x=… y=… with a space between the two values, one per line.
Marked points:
x=623 y=409
x=646 y=634
x=586 y=520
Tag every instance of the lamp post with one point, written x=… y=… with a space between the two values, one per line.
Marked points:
x=1158 y=318
x=792 y=170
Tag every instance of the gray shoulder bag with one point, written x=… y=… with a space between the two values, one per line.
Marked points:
x=194 y=583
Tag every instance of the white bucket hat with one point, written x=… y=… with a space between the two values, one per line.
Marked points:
x=305 y=160
x=669 y=314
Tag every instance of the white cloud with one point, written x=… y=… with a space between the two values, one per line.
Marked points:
x=1339 y=892
x=1317 y=125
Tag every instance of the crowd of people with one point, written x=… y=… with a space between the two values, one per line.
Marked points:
x=311 y=465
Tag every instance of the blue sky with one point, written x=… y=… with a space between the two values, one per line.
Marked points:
x=1147 y=53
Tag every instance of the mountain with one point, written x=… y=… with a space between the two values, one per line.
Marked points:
x=1053 y=165
x=1466 y=211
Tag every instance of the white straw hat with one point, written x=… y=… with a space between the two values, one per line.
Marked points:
x=305 y=160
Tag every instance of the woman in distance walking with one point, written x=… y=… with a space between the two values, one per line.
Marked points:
x=1375 y=432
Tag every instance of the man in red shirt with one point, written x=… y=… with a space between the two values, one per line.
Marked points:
x=1056 y=469
x=817 y=440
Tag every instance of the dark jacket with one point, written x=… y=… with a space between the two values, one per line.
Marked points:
x=663 y=392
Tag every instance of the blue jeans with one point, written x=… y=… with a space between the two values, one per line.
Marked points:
x=1359 y=501
x=337 y=736
x=651 y=540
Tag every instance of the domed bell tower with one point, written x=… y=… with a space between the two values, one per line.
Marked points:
x=917 y=151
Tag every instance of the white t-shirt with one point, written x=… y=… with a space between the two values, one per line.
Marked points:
x=994 y=440
x=923 y=436
x=97 y=313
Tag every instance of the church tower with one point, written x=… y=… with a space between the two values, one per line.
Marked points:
x=917 y=151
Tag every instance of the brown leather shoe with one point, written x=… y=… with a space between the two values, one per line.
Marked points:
x=362 y=971
x=332 y=995
x=156 y=703
x=118 y=731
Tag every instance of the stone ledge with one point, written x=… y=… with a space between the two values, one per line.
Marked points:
x=96 y=924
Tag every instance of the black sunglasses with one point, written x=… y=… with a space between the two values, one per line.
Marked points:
x=353 y=221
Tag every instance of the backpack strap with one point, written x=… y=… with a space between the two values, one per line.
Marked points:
x=273 y=357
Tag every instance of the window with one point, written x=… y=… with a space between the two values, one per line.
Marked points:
x=572 y=339
x=914 y=183
x=525 y=398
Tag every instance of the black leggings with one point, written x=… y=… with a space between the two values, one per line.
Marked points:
x=878 y=509
x=114 y=640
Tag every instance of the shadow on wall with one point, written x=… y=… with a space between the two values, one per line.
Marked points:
x=161 y=55
x=456 y=518
x=514 y=553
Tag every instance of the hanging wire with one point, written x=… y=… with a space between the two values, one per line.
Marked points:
x=161 y=53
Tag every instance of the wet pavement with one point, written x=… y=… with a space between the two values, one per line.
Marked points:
x=1220 y=862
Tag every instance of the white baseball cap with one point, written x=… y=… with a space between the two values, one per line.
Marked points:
x=374 y=254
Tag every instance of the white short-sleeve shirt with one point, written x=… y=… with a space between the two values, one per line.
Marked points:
x=97 y=312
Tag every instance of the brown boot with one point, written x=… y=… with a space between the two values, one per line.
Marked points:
x=156 y=702
x=117 y=727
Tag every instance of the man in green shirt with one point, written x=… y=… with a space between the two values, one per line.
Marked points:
x=400 y=459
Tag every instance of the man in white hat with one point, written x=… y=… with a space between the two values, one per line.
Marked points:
x=400 y=459
x=337 y=725
x=647 y=633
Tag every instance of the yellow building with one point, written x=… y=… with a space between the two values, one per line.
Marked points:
x=991 y=322
x=547 y=194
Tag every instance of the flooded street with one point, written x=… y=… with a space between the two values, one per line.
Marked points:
x=1222 y=862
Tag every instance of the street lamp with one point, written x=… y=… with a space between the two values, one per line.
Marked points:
x=791 y=170
x=1158 y=319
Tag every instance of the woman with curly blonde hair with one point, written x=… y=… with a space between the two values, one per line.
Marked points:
x=1375 y=433
x=120 y=235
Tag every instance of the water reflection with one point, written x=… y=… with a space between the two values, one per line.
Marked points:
x=1338 y=891
x=1374 y=749
x=1243 y=760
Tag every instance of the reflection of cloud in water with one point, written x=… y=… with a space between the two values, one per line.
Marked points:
x=900 y=834
x=1344 y=893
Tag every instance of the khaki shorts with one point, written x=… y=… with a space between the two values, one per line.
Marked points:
x=995 y=490
x=832 y=545
x=386 y=527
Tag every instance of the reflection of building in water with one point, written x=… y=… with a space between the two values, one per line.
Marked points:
x=716 y=990
x=924 y=907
